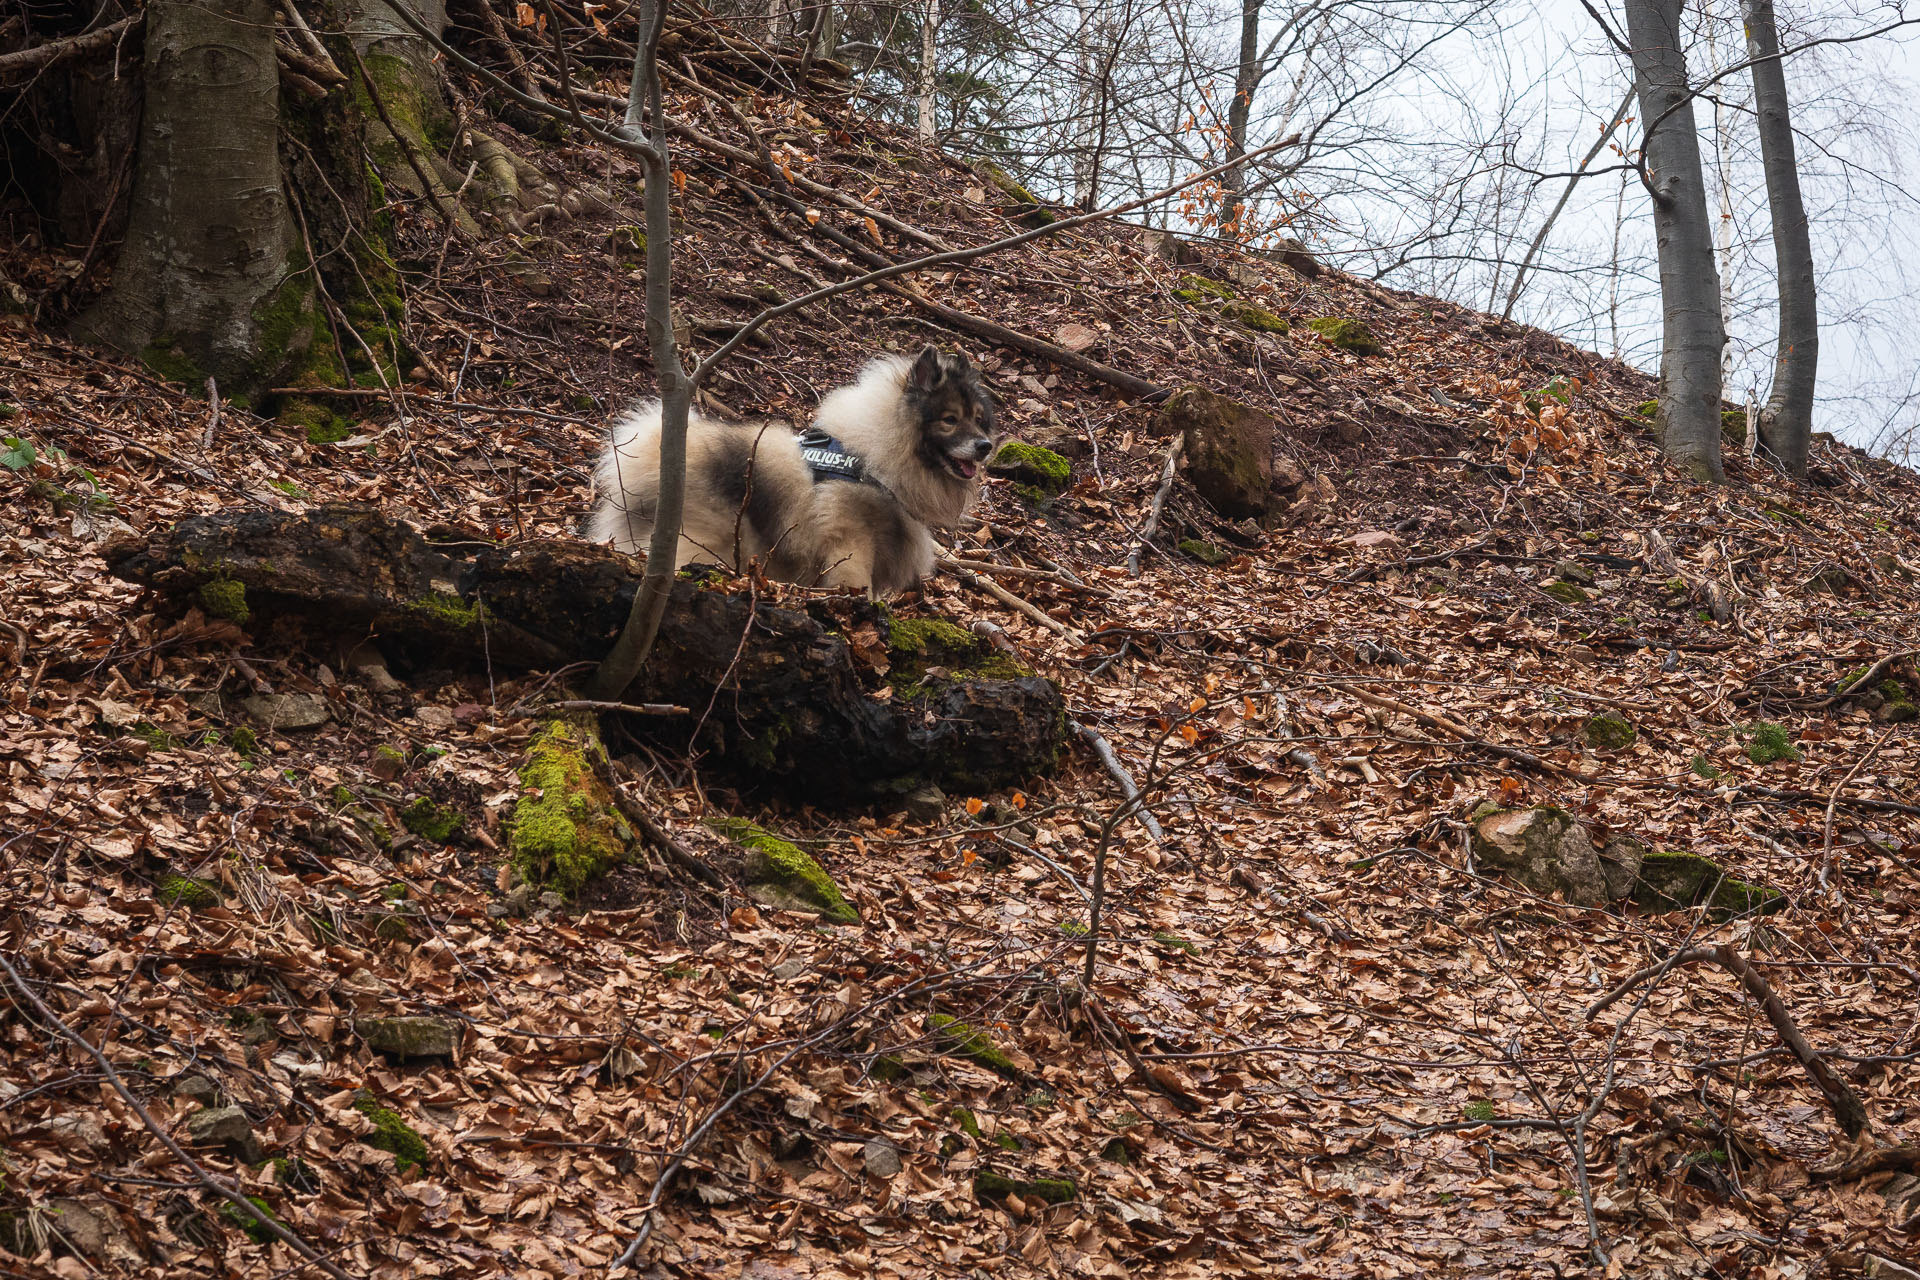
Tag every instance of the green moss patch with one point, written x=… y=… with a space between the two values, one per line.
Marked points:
x=225 y=598
x=1648 y=409
x=917 y=645
x=1203 y=551
x=394 y=1135
x=988 y=1185
x=1682 y=881
x=963 y=1039
x=1567 y=592
x=1200 y=289
x=1347 y=334
x=184 y=891
x=1733 y=428
x=565 y=830
x=784 y=876
x=1030 y=465
x=255 y=1229
x=1610 y=732
x=449 y=608
x=1768 y=742
x=432 y=821
x=1259 y=319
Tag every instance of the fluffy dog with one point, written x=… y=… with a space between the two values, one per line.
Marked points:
x=846 y=505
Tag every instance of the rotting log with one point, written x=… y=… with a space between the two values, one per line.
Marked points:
x=781 y=699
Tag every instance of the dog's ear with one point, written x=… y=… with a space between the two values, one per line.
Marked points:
x=926 y=368
x=959 y=366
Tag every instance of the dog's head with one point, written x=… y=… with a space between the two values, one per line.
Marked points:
x=954 y=411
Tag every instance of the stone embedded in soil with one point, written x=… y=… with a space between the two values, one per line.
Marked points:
x=413 y=1036
x=1227 y=450
x=882 y=1159
x=1545 y=850
x=284 y=711
x=225 y=1127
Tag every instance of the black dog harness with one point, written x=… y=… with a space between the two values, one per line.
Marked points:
x=831 y=460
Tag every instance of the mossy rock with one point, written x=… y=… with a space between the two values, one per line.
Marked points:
x=784 y=876
x=393 y=1134
x=1682 y=881
x=1029 y=465
x=1609 y=731
x=1566 y=592
x=1256 y=318
x=412 y=1036
x=1733 y=429
x=988 y=1185
x=1200 y=289
x=315 y=419
x=1203 y=551
x=1768 y=742
x=1895 y=706
x=565 y=829
x=916 y=645
x=1347 y=334
x=185 y=891
x=964 y=1040
x=430 y=821
x=1227 y=450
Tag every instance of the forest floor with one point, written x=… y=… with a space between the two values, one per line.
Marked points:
x=1320 y=1042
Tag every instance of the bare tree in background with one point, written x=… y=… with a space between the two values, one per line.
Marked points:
x=1786 y=422
x=929 y=67
x=1688 y=420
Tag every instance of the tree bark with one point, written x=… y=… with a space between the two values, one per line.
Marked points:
x=929 y=66
x=208 y=281
x=629 y=653
x=1688 y=422
x=1246 y=81
x=1786 y=423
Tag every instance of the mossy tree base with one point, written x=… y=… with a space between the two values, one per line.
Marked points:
x=565 y=829
x=804 y=712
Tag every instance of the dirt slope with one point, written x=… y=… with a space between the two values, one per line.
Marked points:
x=1322 y=1043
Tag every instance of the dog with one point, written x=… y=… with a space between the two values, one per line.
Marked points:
x=849 y=504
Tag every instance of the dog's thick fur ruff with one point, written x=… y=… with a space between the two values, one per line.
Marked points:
x=923 y=426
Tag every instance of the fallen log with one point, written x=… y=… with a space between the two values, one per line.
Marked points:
x=826 y=696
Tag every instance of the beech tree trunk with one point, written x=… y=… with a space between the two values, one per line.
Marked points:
x=1786 y=423
x=1246 y=81
x=1688 y=422
x=208 y=282
x=929 y=65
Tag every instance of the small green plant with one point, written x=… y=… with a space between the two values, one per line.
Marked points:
x=1479 y=1111
x=1768 y=742
x=17 y=453
x=1705 y=768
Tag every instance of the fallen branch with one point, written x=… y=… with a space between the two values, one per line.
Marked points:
x=259 y=1217
x=1246 y=879
x=1021 y=571
x=1864 y=683
x=1826 y=843
x=1128 y=787
x=46 y=55
x=657 y=835
x=1013 y=602
x=590 y=704
x=1841 y=1099
x=1159 y=506
x=1466 y=735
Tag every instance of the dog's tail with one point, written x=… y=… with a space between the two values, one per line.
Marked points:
x=627 y=478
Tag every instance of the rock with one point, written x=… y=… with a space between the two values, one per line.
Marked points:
x=1169 y=247
x=1038 y=473
x=1291 y=253
x=413 y=1036
x=393 y=1134
x=93 y=1230
x=191 y=1086
x=1075 y=337
x=1347 y=334
x=1620 y=859
x=1682 y=881
x=1573 y=571
x=1566 y=592
x=388 y=763
x=79 y=1133
x=283 y=711
x=784 y=876
x=1203 y=551
x=1287 y=474
x=988 y=1185
x=787 y=970
x=1880 y=1267
x=1228 y=450
x=225 y=1127
x=1610 y=732
x=925 y=803
x=1545 y=850
x=882 y=1160
x=963 y=1040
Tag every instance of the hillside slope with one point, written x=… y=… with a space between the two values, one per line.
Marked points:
x=1323 y=1041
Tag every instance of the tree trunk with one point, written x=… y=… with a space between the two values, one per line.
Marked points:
x=209 y=281
x=929 y=65
x=1786 y=423
x=1246 y=80
x=1688 y=422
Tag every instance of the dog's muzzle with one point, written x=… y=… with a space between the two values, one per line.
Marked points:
x=965 y=459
